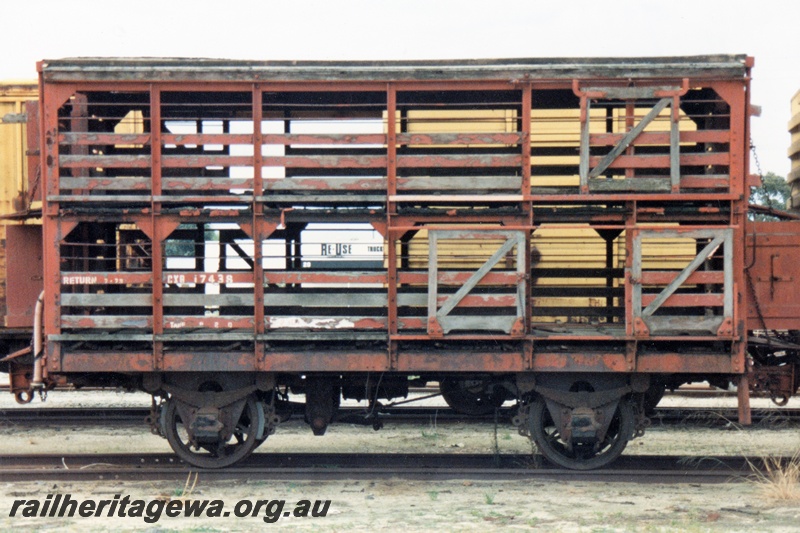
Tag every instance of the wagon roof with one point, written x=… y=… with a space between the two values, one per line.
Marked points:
x=180 y=69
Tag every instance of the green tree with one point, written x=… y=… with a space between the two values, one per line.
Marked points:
x=773 y=193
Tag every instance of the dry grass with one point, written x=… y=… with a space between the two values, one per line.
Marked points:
x=778 y=479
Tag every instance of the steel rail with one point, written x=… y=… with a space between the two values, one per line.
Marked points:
x=359 y=415
x=337 y=466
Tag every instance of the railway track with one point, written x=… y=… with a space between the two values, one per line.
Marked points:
x=338 y=466
x=357 y=415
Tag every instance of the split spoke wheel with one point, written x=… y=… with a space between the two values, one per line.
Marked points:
x=580 y=455
x=219 y=454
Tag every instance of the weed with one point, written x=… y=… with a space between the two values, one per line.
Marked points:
x=778 y=479
x=698 y=462
x=434 y=495
x=430 y=434
x=488 y=497
x=185 y=492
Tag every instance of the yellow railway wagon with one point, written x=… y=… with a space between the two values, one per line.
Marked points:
x=13 y=165
x=794 y=152
x=578 y=275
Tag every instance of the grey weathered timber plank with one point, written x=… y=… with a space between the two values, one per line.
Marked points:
x=709 y=249
x=284 y=335
x=107 y=322
x=459 y=139
x=325 y=299
x=118 y=198
x=204 y=184
x=326 y=322
x=583 y=165
x=109 y=337
x=668 y=233
x=480 y=323
x=205 y=337
x=324 y=198
x=207 y=300
x=106 y=300
x=465 y=183
x=89 y=138
x=674 y=153
x=325 y=184
x=205 y=198
x=630 y=184
x=132 y=183
x=459 y=160
x=629 y=137
x=205 y=160
x=108 y=161
x=467 y=198
x=418 y=299
x=680 y=325
x=630 y=93
x=178 y=69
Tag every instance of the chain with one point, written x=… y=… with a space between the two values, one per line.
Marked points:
x=760 y=172
x=756 y=304
x=755 y=158
x=749 y=278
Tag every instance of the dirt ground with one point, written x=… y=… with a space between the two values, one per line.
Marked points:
x=457 y=505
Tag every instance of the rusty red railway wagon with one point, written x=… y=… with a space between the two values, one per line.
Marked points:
x=568 y=234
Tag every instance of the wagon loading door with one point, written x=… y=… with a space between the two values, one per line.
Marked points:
x=681 y=282
x=772 y=272
x=489 y=298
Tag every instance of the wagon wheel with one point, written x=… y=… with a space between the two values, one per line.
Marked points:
x=469 y=397
x=581 y=456
x=219 y=454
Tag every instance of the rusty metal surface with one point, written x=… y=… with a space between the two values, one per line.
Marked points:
x=772 y=272
x=24 y=273
x=181 y=215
